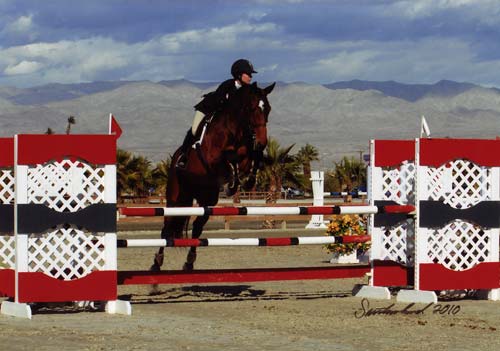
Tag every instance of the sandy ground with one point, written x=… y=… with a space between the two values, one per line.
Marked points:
x=295 y=315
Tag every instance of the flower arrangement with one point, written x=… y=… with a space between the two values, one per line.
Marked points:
x=342 y=225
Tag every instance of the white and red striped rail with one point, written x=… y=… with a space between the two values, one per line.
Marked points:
x=291 y=241
x=263 y=211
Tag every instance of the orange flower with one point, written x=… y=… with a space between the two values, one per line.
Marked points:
x=341 y=225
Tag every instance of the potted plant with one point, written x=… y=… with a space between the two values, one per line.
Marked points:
x=342 y=225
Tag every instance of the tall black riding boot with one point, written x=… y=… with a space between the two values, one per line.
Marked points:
x=186 y=144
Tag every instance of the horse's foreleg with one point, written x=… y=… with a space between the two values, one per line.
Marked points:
x=198 y=224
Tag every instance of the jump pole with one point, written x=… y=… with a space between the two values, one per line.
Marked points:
x=311 y=240
x=263 y=211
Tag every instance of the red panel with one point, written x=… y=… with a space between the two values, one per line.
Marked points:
x=39 y=287
x=6 y=152
x=390 y=153
x=7 y=282
x=386 y=273
x=239 y=275
x=485 y=275
x=95 y=149
x=436 y=152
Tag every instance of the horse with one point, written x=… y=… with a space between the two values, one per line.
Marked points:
x=230 y=147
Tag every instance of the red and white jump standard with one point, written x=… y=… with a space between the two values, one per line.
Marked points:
x=453 y=242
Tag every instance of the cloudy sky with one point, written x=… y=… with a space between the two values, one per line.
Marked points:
x=314 y=41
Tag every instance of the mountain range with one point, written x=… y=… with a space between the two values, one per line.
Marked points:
x=339 y=118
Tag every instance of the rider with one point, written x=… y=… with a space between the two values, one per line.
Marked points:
x=242 y=71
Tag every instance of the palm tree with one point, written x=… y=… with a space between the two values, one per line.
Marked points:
x=305 y=156
x=142 y=167
x=348 y=173
x=160 y=175
x=71 y=121
x=279 y=167
x=125 y=173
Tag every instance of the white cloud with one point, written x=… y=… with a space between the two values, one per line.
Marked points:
x=482 y=11
x=22 y=28
x=197 y=54
x=23 y=67
x=22 y=25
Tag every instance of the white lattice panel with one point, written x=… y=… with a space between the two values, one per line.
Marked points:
x=459 y=184
x=66 y=253
x=459 y=245
x=398 y=184
x=67 y=185
x=6 y=186
x=398 y=243
x=7 y=251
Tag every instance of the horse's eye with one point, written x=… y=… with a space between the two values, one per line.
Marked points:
x=261 y=105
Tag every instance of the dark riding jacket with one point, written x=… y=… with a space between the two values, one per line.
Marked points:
x=215 y=99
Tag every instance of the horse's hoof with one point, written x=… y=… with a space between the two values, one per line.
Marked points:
x=230 y=192
x=188 y=267
x=155 y=268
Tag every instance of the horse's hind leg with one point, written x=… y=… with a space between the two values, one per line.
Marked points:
x=198 y=224
x=172 y=228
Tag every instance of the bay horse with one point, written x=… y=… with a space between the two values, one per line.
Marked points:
x=230 y=147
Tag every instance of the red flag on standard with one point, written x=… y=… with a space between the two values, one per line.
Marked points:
x=114 y=127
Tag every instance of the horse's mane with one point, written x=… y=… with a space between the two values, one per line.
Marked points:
x=238 y=100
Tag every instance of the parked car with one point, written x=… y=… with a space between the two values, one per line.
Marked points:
x=292 y=192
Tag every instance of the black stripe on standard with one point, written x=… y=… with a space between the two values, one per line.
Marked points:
x=435 y=214
x=7 y=218
x=383 y=219
x=294 y=241
x=37 y=218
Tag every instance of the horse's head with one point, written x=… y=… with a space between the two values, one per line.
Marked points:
x=256 y=113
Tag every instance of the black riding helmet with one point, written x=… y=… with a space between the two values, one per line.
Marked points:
x=242 y=66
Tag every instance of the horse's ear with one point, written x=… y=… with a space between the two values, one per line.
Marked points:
x=268 y=89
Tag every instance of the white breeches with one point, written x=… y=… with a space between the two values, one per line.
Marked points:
x=198 y=117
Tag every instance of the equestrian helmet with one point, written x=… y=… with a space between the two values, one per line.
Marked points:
x=242 y=66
